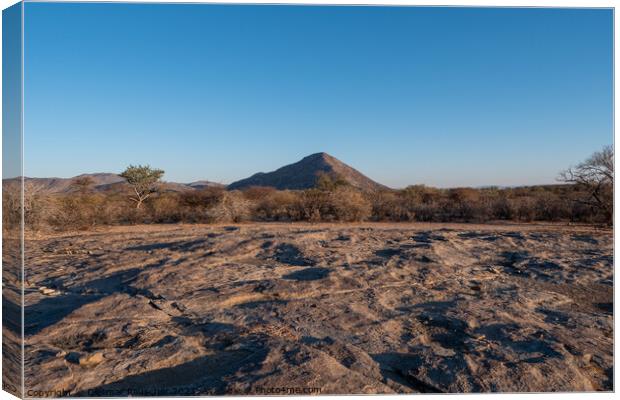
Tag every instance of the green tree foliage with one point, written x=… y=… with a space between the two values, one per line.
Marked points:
x=144 y=180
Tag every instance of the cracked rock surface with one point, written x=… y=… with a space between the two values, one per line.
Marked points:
x=370 y=308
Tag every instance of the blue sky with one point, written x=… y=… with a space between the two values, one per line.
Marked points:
x=437 y=96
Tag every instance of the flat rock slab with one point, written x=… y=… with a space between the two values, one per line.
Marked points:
x=320 y=308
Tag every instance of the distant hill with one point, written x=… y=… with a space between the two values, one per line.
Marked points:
x=305 y=173
x=102 y=182
x=63 y=185
x=204 y=184
x=122 y=186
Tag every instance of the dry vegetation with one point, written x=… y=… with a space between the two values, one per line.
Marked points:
x=586 y=196
x=84 y=209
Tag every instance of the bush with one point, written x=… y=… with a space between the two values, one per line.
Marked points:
x=313 y=205
x=232 y=207
x=71 y=211
x=256 y=193
x=196 y=205
x=11 y=206
x=389 y=206
x=342 y=204
x=278 y=206
x=81 y=209
x=165 y=208
x=349 y=205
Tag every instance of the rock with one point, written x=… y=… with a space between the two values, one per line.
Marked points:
x=48 y=292
x=90 y=360
x=73 y=357
x=473 y=324
x=233 y=319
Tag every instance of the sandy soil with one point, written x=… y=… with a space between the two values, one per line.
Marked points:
x=376 y=308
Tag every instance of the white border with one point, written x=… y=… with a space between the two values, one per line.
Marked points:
x=475 y=3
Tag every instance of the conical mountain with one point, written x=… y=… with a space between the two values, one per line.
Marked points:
x=305 y=173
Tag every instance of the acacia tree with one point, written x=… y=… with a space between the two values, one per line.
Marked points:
x=596 y=177
x=144 y=180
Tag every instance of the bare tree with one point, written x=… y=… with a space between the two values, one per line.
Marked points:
x=596 y=177
x=144 y=180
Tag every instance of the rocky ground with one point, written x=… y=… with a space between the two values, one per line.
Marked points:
x=309 y=308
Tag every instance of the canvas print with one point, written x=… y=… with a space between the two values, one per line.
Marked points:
x=229 y=199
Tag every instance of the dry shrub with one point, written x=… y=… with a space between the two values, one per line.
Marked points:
x=233 y=207
x=195 y=205
x=118 y=209
x=165 y=208
x=523 y=209
x=85 y=210
x=278 y=206
x=82 y=209
x=70 y=211
x=550 y=208
x=542 y=203
x=503 y=208
x=312 y=205
x=423 y=203
x=464 y=195
x=349 y=205
x=11 y=206
x=257 y=193
x=35 y=206
x=67 y=214
x=389 y=206
x=421 y=194
x=342 y=204
x=204 y=198
x=464 y=204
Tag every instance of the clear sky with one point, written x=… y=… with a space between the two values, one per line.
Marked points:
x=437 y=96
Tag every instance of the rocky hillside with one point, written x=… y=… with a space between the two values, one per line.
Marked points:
x=305 y=173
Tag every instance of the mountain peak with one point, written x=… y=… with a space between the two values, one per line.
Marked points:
x=305 y=173
x=318 y=156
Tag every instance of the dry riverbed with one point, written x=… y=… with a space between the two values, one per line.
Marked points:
x=372 y=308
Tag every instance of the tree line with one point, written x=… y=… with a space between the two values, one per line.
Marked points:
x=584 y=194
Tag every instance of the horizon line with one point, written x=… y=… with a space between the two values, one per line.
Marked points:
x=485 y=186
